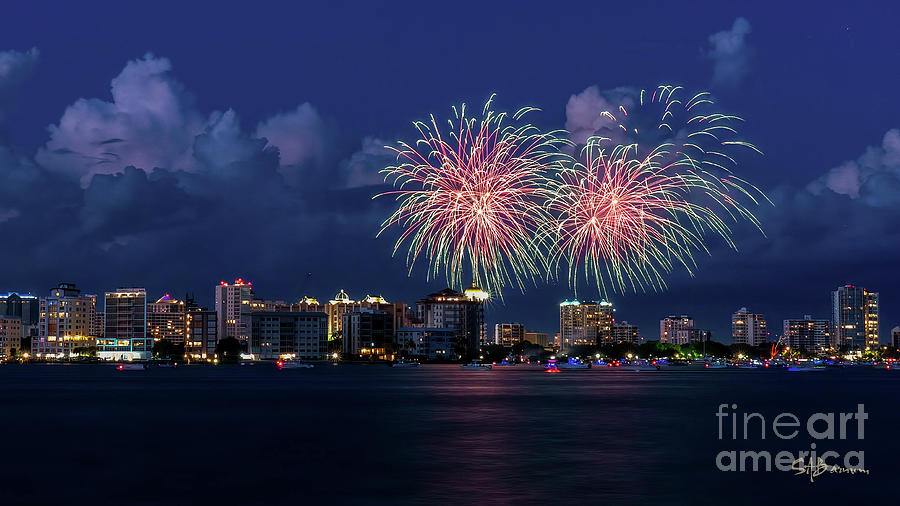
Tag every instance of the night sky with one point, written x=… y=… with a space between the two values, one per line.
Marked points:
x=178 y=144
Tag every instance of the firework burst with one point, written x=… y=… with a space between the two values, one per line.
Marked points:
x=646 y=192
x=471 y=197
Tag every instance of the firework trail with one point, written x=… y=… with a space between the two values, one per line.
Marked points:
x=471 y=198
x=646 y=192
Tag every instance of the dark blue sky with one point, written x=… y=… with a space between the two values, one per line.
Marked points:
x=817 y=86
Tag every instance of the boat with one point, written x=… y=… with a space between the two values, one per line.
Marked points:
x=551 y=367
x=805 y=367
x=475 y=365
x=573 y=364
x=131 y=367
x=641 y=366
x=715 y=365
x=291 y=364
x=404 y=363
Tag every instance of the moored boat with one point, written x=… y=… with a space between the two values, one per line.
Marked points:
x=475 y=365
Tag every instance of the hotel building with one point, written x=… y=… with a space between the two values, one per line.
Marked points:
x=585 y=323
x=167 y=320
x=463 y=312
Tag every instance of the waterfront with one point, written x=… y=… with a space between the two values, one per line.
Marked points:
x=89 y=434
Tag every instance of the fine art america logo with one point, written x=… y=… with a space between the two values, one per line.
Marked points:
x=811 y=462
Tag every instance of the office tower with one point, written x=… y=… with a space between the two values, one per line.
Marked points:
x=125 y=326
x=623 y=332
x=10 y=336
x=854 y=318
x=66 y=326
x=167 y=320
x=537 y=338
x=585 y=323
x=463 y=312
x=289 y=335
x=807 y=334
x=233 y=311
x=508 y=334
x=26 y=307
x=342 y=304
x=748 y=328
x=369 y=333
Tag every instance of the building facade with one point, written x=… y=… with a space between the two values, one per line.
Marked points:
x=202 y=326
x=462 y=312
x=125 y=334
x=585 y=323
x=10 y=336
x=895 y=338
x=26 y=307
x=508 y=334
x=854 y=318
x=538 y=338
x=807 y=334
x=624 y=332
x=167 y=320
x=342 y=304
x=369 y=333
x=289 y=335
x=66 y=326
x=671 y=325
x=428 y=343
x=233 y=311
x=748 y=328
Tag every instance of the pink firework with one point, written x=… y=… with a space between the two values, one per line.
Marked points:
x=470 y=200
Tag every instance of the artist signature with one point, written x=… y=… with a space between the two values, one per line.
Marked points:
x=819 y=467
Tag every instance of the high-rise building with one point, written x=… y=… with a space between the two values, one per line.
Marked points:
x=670 y=325
x=257 y=305
x=854 y=317
x=624 y=332
x=369 y=333
x=233 y=310
x=895 y=337
x=585 y=323
x=125 y=326
x=428 y=343
x=537 y=338
x=748 y=328
x=10 y=336
x=201 y=325
x=26 y=307
x=342 y=304
x=167 y=320
x=508 y=334
x=808 y=333
x=66 y=325
x=463 y=312
x=289 y=335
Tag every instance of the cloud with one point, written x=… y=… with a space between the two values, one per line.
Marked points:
x=152 y=122
x=872 y=178
x=301 y=138
x=730 y=54
x=362 y=168
x=149 y=123
x=15 y=67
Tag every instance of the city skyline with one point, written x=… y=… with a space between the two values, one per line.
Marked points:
x=378 y=301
